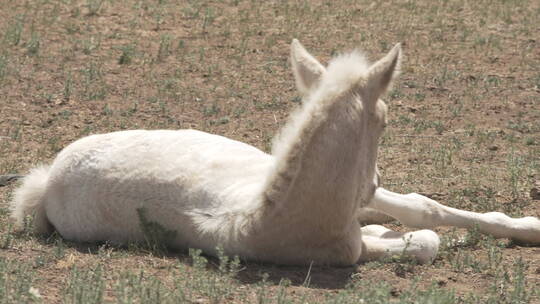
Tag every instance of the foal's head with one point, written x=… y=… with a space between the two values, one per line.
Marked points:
x=349 y=80
x=348 y=76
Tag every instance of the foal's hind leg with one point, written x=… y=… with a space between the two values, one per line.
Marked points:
x=415 y=210
x=379 y=242
x=366 y=216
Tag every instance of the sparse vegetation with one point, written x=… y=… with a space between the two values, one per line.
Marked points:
x=463 y=129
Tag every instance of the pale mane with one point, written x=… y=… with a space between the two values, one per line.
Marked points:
x=341 y=72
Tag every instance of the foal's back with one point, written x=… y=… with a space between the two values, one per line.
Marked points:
x=99 y=185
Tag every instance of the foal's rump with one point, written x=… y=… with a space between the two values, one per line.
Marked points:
x=101 y=187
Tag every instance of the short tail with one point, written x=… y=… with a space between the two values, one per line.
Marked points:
x=29 y=199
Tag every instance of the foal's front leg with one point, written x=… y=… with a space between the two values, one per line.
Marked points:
x=418 y=211
x=380 y=242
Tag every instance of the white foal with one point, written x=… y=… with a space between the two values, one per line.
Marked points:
x=297 y=206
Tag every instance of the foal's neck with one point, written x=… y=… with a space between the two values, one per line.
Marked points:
x=325 y=163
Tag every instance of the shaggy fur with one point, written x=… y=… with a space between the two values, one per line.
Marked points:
x=297 y=206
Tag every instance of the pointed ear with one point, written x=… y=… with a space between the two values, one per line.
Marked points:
x=307 y=70
x=382 y=72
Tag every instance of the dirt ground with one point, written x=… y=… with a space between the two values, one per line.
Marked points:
x=464 y=119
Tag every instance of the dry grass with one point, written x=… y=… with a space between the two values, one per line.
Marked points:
x=464 y=129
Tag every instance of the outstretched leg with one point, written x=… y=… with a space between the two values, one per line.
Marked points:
x=418 y=211
x=380 y=242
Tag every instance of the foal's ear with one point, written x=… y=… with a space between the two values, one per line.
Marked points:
x=381 y=73
x=307 y=70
